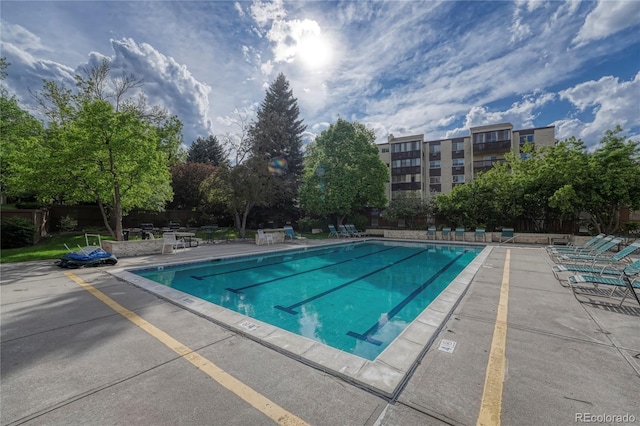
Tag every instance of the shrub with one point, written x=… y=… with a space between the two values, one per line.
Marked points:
x=307 y=224
x=360 y=221
x=17 y=232
x=67 y=223
x=29 y=205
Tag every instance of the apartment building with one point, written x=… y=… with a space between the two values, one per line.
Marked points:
x=421 y=167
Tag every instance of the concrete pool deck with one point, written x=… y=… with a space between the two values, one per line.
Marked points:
x=69 y=358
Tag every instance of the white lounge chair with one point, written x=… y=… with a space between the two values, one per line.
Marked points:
x=264 y=237
x=170 y=239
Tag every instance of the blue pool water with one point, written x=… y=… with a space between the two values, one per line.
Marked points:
x=354 y=297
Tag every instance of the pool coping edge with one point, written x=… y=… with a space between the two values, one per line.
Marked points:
x=384 y=375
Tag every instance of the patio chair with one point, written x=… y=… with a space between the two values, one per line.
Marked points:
x=584 y=249
x=332 y=231
x=597 y=255
x=431 y=233
x=602 y=269
x=591 y=250
x=628 y=281
x=480 y=234
x=264 y=237
x=170 y=239
x=507 y=234
x=459 y=233
x=290 y=233
x=620 y=258
x=570 y=248
x=446 y=233
x=352 y=229
x=360 y=233
x=147 y=230
x=346 y=232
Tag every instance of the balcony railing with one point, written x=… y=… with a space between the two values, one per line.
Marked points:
x=413 y=170
x=492 y=146
x=405 y=155
x=406 y=186
x=485 y=164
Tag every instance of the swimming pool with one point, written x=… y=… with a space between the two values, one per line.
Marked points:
x=356 y=297
x=305 y=308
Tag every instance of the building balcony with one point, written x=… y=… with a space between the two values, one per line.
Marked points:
x=405 y=155
x=406 y=186
x=498 y=146
x=413 y=170
x=483 y=165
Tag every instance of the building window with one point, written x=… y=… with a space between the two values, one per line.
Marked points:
x=407 y=162
x=434 y=149
x=406 y=146
x=458 y=162
x=458 y=179
x=434 y=179
x=526 y=139
x=385 y=150
x=495 y=136
x=434 y=164
x=457 y=146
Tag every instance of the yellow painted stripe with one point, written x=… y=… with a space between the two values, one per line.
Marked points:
x=491 y=405
x=255 y=399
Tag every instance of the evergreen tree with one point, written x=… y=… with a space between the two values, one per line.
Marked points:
x=207 y=151
x=276 y=140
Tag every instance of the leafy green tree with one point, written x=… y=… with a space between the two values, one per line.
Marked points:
x=3 y=66
x=100 y=146
x=17 y=127
x=615 y=180
x=207 y=151
x=554 y=183
x=186 y=181
x=411 y=208
x=276 y=138
x=240 y=188
x=343 y=172
x=486 y=201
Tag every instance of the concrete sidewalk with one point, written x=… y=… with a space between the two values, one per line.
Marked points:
x=67 y=358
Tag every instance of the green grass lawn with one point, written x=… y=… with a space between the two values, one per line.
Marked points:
x=48 y=248
x=51 y=248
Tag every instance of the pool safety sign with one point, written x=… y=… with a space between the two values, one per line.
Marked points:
x=447 y=346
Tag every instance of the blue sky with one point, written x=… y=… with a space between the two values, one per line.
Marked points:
x=401 y=67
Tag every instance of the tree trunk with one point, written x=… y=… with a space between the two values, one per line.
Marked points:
x=237 y=222
x=117 y=198
x=105 y=218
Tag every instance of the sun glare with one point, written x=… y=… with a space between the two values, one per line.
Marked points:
x=314 y=52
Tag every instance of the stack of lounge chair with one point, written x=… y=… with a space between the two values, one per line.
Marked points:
x=589 y=267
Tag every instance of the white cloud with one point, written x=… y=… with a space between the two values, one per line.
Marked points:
x=238 y=7
x=520 y=114
x=266 y=68
x=265 y=12
x=611 y=101
x=21 y=38
x=607 y=18
x=27 y=71
x=166 y=82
